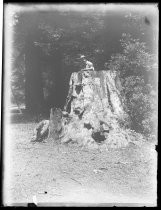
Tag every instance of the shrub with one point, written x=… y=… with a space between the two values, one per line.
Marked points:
x=137 y=70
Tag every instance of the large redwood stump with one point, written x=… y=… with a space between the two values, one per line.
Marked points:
x=93 y=111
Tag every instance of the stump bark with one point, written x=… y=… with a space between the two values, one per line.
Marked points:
x=94 y=112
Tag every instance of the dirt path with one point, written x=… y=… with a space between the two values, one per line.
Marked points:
x=52 y=174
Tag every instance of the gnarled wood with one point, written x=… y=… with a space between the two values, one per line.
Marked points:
x=96 y=108
x=94 y=113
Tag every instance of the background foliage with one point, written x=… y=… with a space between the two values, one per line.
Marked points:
x=137 y=69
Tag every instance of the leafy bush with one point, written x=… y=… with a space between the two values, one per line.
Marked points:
x=137 y=70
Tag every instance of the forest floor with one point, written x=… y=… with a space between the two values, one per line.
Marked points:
x=54 y=174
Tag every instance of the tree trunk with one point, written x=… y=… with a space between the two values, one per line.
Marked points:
x=58 y=93
x=16 y=101
x=34 y=97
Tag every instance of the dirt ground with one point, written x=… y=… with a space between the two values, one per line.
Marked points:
x=54 y=174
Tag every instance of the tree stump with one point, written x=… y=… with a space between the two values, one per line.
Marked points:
x=96 y=108
x=94 y=114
